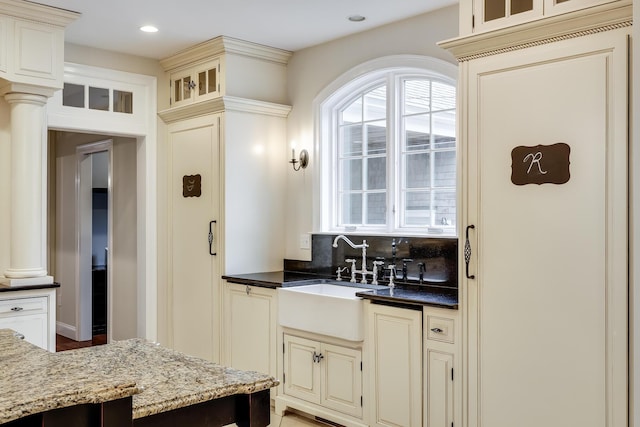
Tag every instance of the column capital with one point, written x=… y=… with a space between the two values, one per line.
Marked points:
x=26 y=89
x=25 y=98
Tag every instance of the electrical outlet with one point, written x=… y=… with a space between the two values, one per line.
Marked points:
x=305 y=241
x=59 y=294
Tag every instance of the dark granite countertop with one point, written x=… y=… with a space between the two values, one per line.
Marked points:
x=269 y=279
x=411 y=295
x=7 y=288
x=414 y=295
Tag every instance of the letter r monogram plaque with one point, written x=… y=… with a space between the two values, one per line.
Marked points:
x=541 y=164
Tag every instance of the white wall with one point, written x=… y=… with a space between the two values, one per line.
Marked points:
x=254 y=195
x=310 y=70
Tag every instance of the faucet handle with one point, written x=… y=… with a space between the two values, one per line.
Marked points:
x=421 y=267
x=392 y=275
x=353 y=269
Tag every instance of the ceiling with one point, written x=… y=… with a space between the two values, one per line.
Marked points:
x=285 y=24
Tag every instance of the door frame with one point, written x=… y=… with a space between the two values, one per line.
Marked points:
x=141 y=125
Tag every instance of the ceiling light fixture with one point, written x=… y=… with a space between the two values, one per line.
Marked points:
x=356 y=18
x=149 y=29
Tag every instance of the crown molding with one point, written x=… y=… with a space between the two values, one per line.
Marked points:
x=592 y=20
x=222 y=44
x=222 y=104
x=37 y=13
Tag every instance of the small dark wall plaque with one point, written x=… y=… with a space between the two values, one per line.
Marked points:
x=191 y=185
x=542 y=164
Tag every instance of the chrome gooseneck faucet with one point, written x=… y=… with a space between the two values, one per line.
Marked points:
x=363 y=246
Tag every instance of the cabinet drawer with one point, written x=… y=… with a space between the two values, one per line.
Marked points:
x=440 y=329
x=23 y=306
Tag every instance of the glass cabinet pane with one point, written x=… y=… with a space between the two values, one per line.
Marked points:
x=494 y=9
x=519 y=6
x=212 y=80
x=202 y=83
x=186 y=87
x=177 y=90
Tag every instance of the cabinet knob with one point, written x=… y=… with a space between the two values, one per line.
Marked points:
x=16 y=308
x=437 y=330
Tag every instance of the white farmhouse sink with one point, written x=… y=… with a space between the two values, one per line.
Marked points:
x=323 y=308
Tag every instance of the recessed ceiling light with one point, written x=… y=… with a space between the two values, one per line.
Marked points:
x=149 y=29
x=356 y=18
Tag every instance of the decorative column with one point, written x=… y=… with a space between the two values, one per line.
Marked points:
x=27 y=243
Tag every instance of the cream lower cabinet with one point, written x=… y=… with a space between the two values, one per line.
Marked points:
x=30 y=313
x=394 y=339
x=250 y=318
x=322 y=378
x=440 y=408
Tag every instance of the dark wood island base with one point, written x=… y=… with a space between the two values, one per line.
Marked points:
x=246 y=410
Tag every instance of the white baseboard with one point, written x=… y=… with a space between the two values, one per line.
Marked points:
x=65 y=330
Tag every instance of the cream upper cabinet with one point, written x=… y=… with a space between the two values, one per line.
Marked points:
x=543 y=148
x=32 y=49
x=196 y=83
x=478 y=16
x=226 y=67
x=394 y=337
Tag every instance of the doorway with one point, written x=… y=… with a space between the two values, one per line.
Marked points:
x=95 y=223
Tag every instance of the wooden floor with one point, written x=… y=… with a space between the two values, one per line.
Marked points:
x=64 y=343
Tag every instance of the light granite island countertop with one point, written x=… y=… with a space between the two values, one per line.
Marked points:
x=159 y=380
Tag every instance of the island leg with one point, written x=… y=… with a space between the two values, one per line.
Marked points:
x=253 y=410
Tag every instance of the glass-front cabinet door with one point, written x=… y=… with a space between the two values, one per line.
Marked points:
x=181 y=88
x=493 y=14
x=195 y=83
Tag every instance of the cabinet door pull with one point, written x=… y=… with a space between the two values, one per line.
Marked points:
x=437 y=330
x=16 y=309
x=19 y=335
x=211 y=240
x=467 y=252
x=248 y=290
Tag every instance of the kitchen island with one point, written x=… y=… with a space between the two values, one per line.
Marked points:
x=131 y=382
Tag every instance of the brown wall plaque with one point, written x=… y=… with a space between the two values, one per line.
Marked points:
x=542 y=164
x=191 y=185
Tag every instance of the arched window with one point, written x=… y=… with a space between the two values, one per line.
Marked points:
x=388 y=153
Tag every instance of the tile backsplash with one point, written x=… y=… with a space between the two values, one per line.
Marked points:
x=439 y=255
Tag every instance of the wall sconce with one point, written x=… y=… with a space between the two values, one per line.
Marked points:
x=303 y=162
